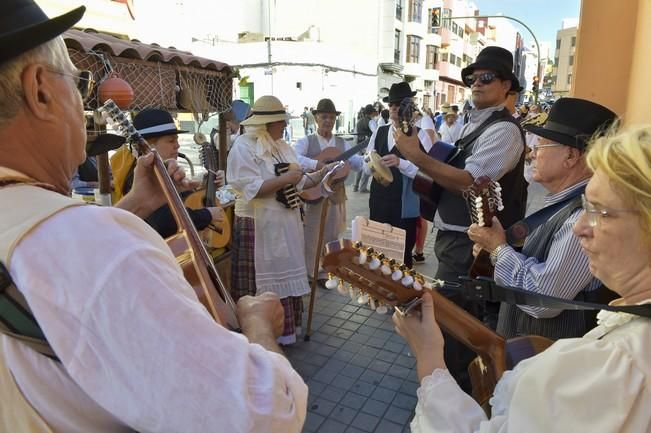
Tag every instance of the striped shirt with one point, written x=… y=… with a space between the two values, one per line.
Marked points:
x=495 y=152
x=565 y=272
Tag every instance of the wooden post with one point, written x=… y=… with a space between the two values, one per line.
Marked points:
x=104 y=178
x=317 y=265
x=223 y=142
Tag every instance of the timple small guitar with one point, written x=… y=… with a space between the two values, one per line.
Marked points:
x=215 y=235
x=484 y=199
x=368 y=277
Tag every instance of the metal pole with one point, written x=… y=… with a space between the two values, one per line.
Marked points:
x=538 y=72
x=269 y=45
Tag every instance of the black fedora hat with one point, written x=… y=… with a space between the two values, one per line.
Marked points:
x=154 y=122
x=326 y=105
x=573 y=121
x=102 y=143
x=495 y=59
x=398 y=92
x=23 y=26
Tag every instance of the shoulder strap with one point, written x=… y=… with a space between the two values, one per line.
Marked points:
x=516 y=234
x=495 y=117
x=485 y=289
x=16 y=318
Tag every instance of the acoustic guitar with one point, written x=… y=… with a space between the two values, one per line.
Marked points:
x=215 y=235
x=484 y=199
x=370 y=278
x=197 y=264
x=328 y=155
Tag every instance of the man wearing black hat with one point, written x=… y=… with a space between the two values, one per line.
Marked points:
x=492 y=144
x=551 y=261
x=158 y=128
x=108 y=336
x=396 y=204
x=307 y=148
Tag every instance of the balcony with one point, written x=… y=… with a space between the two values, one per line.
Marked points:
x=447 y=69
x=393 y=68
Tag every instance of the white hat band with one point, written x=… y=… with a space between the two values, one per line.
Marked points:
x=158 y=128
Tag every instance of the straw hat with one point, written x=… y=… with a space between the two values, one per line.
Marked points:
x=267 y=109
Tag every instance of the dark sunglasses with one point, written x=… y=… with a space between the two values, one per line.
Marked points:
x=84 y=80
x=485 y=78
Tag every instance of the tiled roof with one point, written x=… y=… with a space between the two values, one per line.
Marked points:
x=90 y=40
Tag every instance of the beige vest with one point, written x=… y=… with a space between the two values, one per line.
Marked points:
x=36 y=206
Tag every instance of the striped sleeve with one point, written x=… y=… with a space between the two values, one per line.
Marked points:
x=564 y=274
x=496 y=152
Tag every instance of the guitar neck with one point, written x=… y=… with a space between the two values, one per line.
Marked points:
x=352 y=151
x=469 y=331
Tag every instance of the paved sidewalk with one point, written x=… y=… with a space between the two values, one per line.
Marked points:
x=360 y=373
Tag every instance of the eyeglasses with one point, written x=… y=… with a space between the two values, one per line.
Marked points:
x=536 y=146
x=84 y=80
x=485 y=78
x=593 y=212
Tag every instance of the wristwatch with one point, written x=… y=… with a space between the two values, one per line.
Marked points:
x=496 y=251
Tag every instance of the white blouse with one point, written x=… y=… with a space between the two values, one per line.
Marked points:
x=598 y=383
x=138 y=351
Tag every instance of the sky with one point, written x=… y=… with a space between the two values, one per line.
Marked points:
x=542 y=16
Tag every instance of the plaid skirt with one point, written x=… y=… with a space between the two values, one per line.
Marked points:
x=243 y=258
x=293 y=306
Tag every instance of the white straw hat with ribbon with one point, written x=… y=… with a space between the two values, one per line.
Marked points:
x=267 y=109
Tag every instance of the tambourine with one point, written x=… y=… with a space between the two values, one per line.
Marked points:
x=379 y=170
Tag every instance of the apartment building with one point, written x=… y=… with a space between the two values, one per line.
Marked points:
x=564 y=61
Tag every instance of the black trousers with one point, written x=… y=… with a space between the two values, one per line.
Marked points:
x=454 y=253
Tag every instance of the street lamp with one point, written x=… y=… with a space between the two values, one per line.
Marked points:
x=535 y=94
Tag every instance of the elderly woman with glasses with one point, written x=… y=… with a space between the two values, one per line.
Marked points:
x=598 y=383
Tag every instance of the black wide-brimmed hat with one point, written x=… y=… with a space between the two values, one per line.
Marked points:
x=23 y=26
x=398 y=92
x=573 y=121
x=326 y=105
x=154 y=122
x=495 y=59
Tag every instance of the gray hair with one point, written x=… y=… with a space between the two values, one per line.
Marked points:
x=53 y=53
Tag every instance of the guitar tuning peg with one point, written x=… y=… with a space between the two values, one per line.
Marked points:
x=342 y=289
x=363 y=299
x=407 y=280
x=357 y=245
x=375 y=263
x=397 y=274
x=371 y=303
x=382 y=309
x=428 y=285
x=361 y=259
x=352 y=292
x=386 y=267
x=332 y=282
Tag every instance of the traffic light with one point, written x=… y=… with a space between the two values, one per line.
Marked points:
x=534 y=84
x=436 y=17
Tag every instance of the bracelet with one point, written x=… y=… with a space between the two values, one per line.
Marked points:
x=496 y=251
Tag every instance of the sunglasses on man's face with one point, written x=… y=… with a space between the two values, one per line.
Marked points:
x=84 y=80
x=485 y=78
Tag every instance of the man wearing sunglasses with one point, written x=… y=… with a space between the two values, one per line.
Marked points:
x=551 y=261
x=492 y=144
x=102 y=332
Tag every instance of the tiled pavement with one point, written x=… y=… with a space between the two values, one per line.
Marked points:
x=360 y=373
